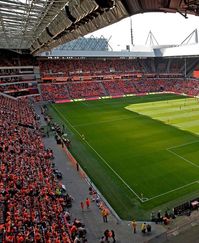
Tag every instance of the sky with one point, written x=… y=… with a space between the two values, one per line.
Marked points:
x=168 y=29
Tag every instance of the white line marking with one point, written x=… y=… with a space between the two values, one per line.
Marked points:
x=188 y=161
x=100 y=157
x=172 y=191
x=141 y=199
x=184 y=144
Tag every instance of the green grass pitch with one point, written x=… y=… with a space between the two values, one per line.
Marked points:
x=141 y=152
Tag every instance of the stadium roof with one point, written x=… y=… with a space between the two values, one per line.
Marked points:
x=191 y=50
x=40 y=25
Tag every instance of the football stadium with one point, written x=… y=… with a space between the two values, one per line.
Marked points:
x=96 y=145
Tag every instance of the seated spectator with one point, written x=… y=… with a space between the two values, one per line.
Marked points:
x=33 y=199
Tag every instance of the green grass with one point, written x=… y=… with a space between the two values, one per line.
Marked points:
x=139 y=151
x=182 y=113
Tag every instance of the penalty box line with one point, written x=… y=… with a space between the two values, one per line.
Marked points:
x=181 y=157
x=188 y=161
x=121 y=179
x=182 y=145
x=176 y=189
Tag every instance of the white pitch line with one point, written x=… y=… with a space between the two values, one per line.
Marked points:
x=184 y=144
x=188 y=161
x=176 y=189
x=101 y=158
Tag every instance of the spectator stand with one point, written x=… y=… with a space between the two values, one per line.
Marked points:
x=33 y=199
x=89 y=90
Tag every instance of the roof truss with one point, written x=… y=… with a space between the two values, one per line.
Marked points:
x=40 y=25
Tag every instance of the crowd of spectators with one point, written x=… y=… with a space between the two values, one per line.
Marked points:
x=87 y=66
x=90 y=89
x=92 y=69
x=54 y=92
x=112 y=87
x=33 y=202
x=91 y=66
x=188 y=87
x=85 y=90
x=126 y=86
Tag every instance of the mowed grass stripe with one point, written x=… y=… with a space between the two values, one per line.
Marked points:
x=137 y=177
x=157 y=110
x=175 y=116
x=175 y=112
x=182 y=113
x=123 y=181
x=135 y=147
x=140 y=134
